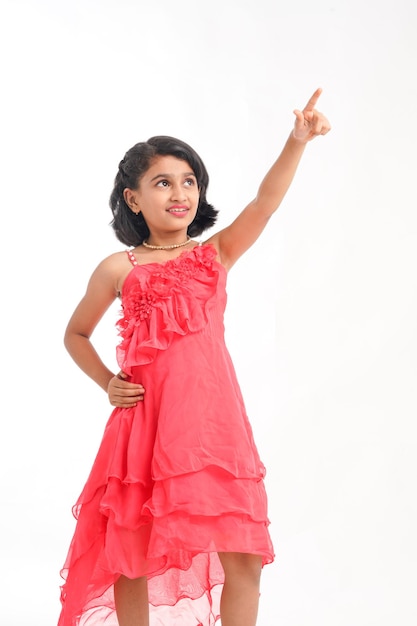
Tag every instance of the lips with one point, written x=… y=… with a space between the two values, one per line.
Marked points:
x=178 y=210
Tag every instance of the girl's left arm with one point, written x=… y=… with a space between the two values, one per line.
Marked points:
x=233 y=241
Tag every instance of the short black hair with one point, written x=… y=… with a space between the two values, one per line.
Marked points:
x=132 y=229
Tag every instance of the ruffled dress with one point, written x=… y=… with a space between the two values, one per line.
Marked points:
x=177 y=478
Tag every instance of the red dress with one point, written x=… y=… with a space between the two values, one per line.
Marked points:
x=177 y=478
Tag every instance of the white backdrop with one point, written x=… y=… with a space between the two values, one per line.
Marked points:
x=322 y=310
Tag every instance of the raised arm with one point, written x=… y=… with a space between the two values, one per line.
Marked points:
x=233 y=241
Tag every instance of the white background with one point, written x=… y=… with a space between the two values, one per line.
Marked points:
x=321 y=321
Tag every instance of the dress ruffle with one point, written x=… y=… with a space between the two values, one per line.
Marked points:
x=169 y=300
x=177 y=478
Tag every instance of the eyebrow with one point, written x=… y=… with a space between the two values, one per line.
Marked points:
x=170 y=175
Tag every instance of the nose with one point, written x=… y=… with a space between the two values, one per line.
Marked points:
x=178 y=192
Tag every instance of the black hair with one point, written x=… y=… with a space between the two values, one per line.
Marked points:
x=132 y=229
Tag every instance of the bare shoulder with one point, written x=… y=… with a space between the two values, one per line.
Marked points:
x=217 y=241
x=114 y=262
x=214 y=241
x=236 y=238
x=112 y=271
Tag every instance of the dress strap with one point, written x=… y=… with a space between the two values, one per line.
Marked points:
x=131 y=257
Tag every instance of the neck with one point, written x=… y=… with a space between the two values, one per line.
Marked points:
x=166 y=246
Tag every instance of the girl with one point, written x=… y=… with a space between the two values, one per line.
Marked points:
x=172 y=522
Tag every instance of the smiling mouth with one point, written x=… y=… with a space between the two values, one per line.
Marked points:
x=177 y=209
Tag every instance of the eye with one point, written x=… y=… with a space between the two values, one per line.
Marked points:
x=190 y=182
x=162 y=183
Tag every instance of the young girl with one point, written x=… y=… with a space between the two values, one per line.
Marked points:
x=172 y=525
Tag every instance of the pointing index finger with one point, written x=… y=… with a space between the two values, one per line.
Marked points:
x=313 y=100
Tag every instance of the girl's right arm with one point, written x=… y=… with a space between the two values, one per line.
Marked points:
x=102 y=290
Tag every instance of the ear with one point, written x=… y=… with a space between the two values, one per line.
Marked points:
x=130 y=198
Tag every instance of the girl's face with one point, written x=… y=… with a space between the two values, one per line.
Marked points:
x=167 y=195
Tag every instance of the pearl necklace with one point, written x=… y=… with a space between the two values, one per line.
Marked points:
x=171 y=247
